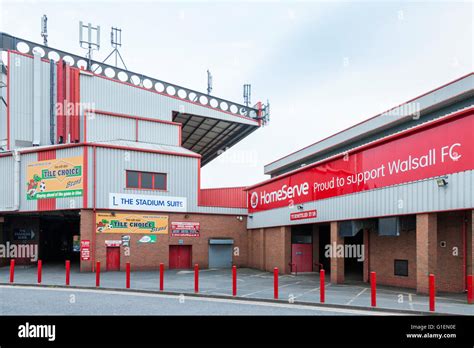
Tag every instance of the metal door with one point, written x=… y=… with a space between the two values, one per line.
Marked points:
x=180 y=256
x=113 y=259
x=220 y=256
x=302 y=257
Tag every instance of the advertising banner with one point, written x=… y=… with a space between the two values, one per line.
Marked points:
x=185 y=229
x=131 y=223
x=443 y=148
x=56 y=178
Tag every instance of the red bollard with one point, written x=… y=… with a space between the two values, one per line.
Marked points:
x=234 y=281
x=275 y=283
x=40 y=271
x=68 y=271
x=321 y=286
x=470 y=289
x=432 y=292
x=373 y=289
x=162 y=276
x=196 y=278
x=97 y=274
x=12 y=271
x=127 y=271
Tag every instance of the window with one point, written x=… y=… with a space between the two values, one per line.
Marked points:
x=146 y=180
x=401 y=268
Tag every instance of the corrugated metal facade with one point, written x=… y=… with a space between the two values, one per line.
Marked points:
x=22 y=92
x=104 y=94
x=158 y=133
x=411 y=198
x=111 y=164
x=234 y=197
x=104 y=128
x=6 y=183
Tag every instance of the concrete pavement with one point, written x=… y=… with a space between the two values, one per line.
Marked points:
x=252 y=284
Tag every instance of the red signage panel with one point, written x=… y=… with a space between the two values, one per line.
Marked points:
x=443 y=147
x=185 y=229
x=85 y=250
x=301 y=215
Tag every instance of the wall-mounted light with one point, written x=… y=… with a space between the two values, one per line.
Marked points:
x=240 y=218
x=186 y=216
x=250 y=216
x=442 y=182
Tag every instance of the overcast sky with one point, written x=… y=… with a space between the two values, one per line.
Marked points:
x=323 y=66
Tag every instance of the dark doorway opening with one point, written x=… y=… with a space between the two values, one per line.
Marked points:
x=59 y=238
x=353 y=260
x=324 y=241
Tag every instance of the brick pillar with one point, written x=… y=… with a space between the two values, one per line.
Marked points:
x=87 y=231
x=366 y=266
x=286 y=232
x=262 y=246
x=315 y=248
x=337 y=263
x=426 y=250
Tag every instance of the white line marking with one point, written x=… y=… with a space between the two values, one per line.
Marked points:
x=208 y=299
x=256 y=292
x=360 y=293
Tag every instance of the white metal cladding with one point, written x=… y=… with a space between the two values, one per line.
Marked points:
x=27 y=158
x=111 y=164
x=21 y=91
x=397 y=114
x=6 y=183
x=147 y=146
x=3 y=94
x=415 y=197
x=158 y=133
x=103 y=128
x=108 y=95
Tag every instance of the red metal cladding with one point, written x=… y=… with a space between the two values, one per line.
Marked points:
x=48 y=203
x=60 y=102
x=409 y=156
x=229 y=197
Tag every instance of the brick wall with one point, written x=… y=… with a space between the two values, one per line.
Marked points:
x=449 y=273
x=384 y=250
x=150 y=255
x=270 y=248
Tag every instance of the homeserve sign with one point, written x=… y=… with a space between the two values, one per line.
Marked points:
x=412 y=163
x=146 y=202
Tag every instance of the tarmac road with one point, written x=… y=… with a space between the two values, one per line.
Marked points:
x=57 y=301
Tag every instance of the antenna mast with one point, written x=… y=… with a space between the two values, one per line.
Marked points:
x=209 y=82
x=116 y=42
x=44 y=29
x=91 y=42
x=247 y=94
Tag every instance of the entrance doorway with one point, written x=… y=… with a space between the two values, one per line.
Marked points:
x=59 y=238
x=302 y=248
x=353 y=264
x=302 y=257
x=180 y=256
x=324 y=241
x=113 y=259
